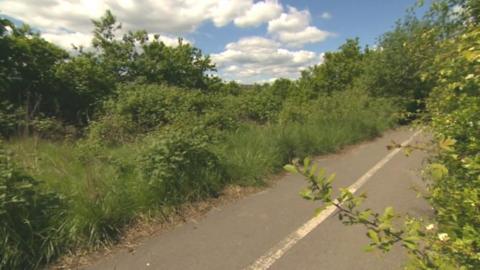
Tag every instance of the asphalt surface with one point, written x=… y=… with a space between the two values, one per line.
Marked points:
x=236 y=235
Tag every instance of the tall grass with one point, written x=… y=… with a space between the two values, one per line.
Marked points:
x=252 y=152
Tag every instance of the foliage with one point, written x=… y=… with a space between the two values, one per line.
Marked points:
x=85 y=84
x=29 y=230
x=138 y=56
x=392 y=69
x=380 y=227
x=261 y=105
x=27 y=74
x=107 y=187
x=178 y=166
x=338 y=70
x=452 y=239
x=149 y=128
x=8 y=118
x=139 y=109
x=252 y=152
x=454 y=108
x=42 y=80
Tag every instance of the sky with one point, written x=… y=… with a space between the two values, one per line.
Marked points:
x=248 y=40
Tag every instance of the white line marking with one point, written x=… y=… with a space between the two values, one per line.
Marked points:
x=282 y=247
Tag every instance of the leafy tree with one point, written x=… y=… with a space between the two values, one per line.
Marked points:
x=27 y=69
x=138 y=57
x=283 y=88
x=85 y=84
x=393 y=68
x=338 y=70
x=183 y=65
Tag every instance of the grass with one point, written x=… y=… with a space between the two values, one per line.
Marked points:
x=254 y=152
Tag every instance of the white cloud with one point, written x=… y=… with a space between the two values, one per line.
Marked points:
x=65 y=21
x=326 y=16
x=310 y=34
x=249 y=59
x=293 y=28
x=166 y=16
x=292 y=21
x=256 y=59
x=67 y=39
x=227 y=10
x=168 y=40
x=51 y=14
x=259 y=13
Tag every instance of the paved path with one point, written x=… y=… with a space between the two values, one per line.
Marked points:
x=247 y=232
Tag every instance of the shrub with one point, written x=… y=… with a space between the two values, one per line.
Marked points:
x=260 y=105
x=144 y=108
x=294 y=111
x=177 y=166
x=112 y=129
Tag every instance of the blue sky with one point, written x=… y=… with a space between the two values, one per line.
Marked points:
x=249 y=40
x=366 y=19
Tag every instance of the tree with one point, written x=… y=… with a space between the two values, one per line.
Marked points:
x=27 y=64
x=183 y=65
x=393 y=68
x=338 y=70
x=136 y=56
x=85 y=84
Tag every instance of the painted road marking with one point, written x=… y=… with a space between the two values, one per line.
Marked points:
x=282 y=247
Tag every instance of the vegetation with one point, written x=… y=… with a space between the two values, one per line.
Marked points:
x=98 y=138
x=451 y=240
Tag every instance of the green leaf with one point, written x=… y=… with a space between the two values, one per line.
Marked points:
x=24 y=186
x=330 y=178
x=374 y=236
x=388 y=212
x=307 y=194
x=365 y=215
x=447 y=144
x=438 y=171
x=290 y=168
x=369 y=248
x=312 y=170
x=410 y=244
x=306 y=164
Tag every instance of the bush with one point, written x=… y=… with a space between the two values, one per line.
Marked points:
x=178 y=167
x=139 y=109
x=260 y=105
x=454 y=111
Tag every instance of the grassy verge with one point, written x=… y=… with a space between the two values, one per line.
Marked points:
x=100 y=189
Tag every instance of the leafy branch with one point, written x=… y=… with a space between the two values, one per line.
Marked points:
x=380 y=227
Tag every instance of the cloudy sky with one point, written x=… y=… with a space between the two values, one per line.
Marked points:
x=250 y=41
